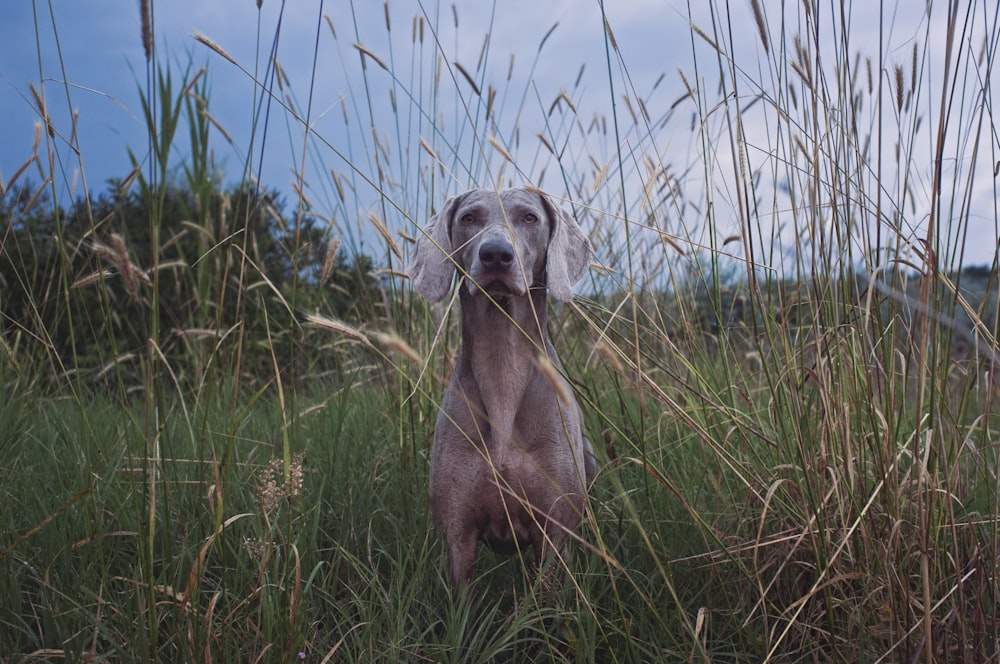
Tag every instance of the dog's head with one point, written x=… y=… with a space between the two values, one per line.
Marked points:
x=502 y=243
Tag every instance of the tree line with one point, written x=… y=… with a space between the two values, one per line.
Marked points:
x=87 y=288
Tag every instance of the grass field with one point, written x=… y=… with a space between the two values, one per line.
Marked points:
x=216 y=417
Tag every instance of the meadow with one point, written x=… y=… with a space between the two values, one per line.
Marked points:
x=218 y=399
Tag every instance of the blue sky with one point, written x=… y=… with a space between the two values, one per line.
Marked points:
x=102 y=57
x=99 y=53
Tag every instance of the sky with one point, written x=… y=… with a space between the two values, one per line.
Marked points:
x=96 y=46
x=86 y=59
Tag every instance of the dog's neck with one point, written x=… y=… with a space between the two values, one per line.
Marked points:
x=500 y=351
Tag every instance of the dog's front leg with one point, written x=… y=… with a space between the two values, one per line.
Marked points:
x=462 y=556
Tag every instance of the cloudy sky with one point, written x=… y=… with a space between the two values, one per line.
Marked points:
x=86 y=58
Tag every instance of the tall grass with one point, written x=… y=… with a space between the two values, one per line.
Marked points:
x=789 y=380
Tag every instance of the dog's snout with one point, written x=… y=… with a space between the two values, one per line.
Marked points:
x=496 y=255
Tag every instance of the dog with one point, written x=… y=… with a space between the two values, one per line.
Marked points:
x=510 y=465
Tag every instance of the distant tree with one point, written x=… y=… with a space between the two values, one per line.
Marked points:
x=78 y=281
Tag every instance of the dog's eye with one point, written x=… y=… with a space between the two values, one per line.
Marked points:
x=467 y=218
x=530 y=218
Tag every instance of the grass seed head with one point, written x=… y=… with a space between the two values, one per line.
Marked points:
x=147 y=29
x=758 y=17
x=328 y=261
x=554 y=378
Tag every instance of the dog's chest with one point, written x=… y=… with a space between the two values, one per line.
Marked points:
x=502 y=379
x=509 y=519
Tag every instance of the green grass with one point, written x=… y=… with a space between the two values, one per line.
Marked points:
x=216 y=430
x=346 y=565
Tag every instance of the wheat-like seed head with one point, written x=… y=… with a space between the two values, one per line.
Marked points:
x=554 y=379
x=147 y=29
x=396 y=343
x=331 y=254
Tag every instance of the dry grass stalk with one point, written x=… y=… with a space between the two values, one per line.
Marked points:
x=468 y=78
x=119 y=359
x=803 y=74
x=801 y=65
x=384 y=232
x=210 y=43
x=687 y=84
x=704 y=35
x=643 y=109
x=301 y=194
x=217 y=125
x=20 y=171
x=501 y=149
x=42 y=110
x=569 y=102
x=758 y=17
x=650 y=183
x=89 y=279
x=547 y=35
x=612 y=357
x=199 y=333
x=337 y=184
x=482 y=51
x=281 y=77
x=669 y=239
x=427 y=148
x=189 y=88
x=396 y=343
x=116 y=253
x=545 y=142
x=900 y=92
x=552 y=376
x=147 y=29
x=322 y=322
x=601 y=175
x=611 y=35
x=331 y=254
x=127 y=181
x=34 y=198
x=631 y=111
x=365 y=51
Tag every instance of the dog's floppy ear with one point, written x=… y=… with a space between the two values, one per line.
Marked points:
x=432 y=269
x=569 y=252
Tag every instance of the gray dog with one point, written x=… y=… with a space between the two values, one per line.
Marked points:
x=510 y=464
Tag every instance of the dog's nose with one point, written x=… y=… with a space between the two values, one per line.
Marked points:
x=496 y=255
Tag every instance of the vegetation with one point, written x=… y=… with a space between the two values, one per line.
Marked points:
x=216 y=410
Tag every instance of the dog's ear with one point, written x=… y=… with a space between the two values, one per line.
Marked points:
x=569 y=252
x=432 y=268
